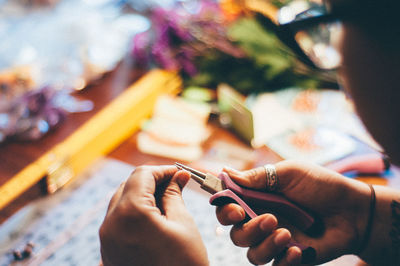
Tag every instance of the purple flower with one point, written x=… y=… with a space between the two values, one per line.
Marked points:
x=33 y=114
x=180 y=37
x=141 y=43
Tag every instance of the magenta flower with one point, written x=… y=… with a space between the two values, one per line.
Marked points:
x=178 y=37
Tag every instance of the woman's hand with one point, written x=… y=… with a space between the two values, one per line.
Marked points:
x=148 y=224
x=342 y=205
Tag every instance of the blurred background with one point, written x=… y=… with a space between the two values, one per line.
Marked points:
x=91 y=88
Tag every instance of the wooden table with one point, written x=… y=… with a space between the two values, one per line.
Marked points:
x=16 y=155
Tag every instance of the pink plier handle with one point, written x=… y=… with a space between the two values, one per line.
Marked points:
x=257 y=202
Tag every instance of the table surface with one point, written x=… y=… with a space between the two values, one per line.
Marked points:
x=16 y=155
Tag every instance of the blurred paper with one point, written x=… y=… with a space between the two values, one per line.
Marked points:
x=150 y=145
x=295 y=109
x=177 y=129
x=181 y=110
x=177 y=132
x=271 y=119
x=319 y=145
x=222 y=153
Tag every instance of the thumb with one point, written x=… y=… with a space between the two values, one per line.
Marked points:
x=253 y=178
x=287 y=174
x=172 y=201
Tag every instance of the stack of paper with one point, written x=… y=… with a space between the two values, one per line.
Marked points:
x=177 y=129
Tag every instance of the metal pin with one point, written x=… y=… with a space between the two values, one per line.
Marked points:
x=194 y=174
x=194 y=171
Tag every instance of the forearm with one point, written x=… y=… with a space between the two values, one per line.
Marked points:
x=383 y=247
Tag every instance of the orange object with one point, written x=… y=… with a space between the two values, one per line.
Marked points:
x=306 y=101
x=232 y=9
x=374 y=180
x=304 y=140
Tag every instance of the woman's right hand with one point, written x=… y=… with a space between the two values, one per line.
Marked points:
x=147 y=222
x=342 y=204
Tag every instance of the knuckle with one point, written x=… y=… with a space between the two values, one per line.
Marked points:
x=293 y=165
x=251 y=174
x=173 y=191
x=256 y=177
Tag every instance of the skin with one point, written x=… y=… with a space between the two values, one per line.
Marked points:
x=303 y=184
x=147 y=221
x=341 y=203
x=370 y=74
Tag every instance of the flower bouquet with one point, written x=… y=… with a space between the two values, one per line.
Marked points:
x=211 y=43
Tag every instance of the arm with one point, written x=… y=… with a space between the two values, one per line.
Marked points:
x=147 y=223
x=341 y=203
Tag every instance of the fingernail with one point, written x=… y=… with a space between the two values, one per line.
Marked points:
x=293 y=255
x=268 y=223
x=236 y=216
x=282 y=238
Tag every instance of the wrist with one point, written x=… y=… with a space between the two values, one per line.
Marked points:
x=360 y=203
x=378 y=250
x=370 y=215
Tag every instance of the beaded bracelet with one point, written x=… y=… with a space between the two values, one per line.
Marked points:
x=368 y=229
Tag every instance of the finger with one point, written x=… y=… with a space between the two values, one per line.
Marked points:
x=253 y=178
x=289 y=173
x=116 y=197
x=270 y=248
x=292 y=257
x=137 y=198
x=230 y=214
x=172 y=202
x=145 y=179
x=254 y=231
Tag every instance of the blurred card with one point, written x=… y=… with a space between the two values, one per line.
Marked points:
x=316 y=145
x=222 y=153
x=176 y=130
x=233 y=104
x=271 y=119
